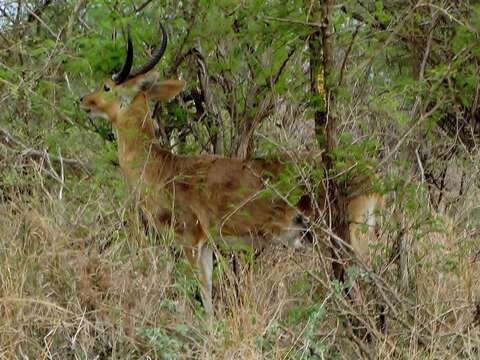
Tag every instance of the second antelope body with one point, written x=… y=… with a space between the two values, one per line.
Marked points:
x=201 y=197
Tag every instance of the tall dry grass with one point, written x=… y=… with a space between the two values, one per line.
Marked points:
x=81 y=278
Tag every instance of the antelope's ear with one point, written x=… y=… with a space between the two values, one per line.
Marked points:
x=165 y=90
x=147 y=81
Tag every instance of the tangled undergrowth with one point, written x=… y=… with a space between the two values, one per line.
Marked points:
x=82 y=278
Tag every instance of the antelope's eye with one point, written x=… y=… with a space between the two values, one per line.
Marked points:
x=106 y=87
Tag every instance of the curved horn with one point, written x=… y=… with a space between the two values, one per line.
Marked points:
x=157 y=55
x=121 y=76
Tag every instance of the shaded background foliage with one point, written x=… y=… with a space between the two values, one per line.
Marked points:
x=403 y=86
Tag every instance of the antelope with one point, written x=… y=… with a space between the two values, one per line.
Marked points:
x=201 y=197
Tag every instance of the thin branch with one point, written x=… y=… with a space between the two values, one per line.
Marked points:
x=17 y=16
x=35 y=14
x=428 y=48
x=9 y=141
x=347 y=54
x=203 y=77
x=408 y=132
x=423 y=65
x=37 y=17
x=141 y=7
x=7 y=42
x=179 y=57
x=420 y=165
x=282 y=67
x=319 y=25
x=179 y=60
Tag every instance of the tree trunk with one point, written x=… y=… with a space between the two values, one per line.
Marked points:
x=326 y=129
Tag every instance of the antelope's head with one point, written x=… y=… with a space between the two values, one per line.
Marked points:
x=118 y=94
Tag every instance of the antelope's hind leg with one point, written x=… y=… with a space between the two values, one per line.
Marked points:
x=200 y=258
x=205 y=265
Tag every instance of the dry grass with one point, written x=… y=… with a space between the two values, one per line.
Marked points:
x=81 y=279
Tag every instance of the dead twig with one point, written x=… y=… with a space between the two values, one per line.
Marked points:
x=11 y=142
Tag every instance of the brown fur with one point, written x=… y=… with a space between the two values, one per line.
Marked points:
x=201 y=196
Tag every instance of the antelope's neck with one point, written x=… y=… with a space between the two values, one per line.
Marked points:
x=136 y=150
x=133 y=152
